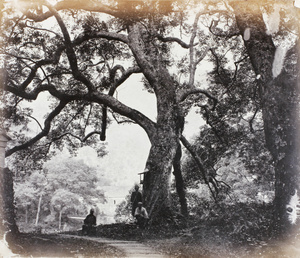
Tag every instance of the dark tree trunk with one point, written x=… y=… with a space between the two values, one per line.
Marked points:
x=9 y=207
x=280 y=109
x=157 y=181
x=179 y=181
x=282 y=137
x=3 y=227
x=165 y=135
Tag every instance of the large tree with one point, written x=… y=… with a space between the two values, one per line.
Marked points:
x=81 y=66
x=274 y=55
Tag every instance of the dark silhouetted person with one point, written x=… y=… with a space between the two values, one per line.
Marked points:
x=141 y=215
x=89 y=227
x=136 y=197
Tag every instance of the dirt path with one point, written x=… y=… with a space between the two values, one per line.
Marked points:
x=131 y=249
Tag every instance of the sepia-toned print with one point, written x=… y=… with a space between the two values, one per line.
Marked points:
x=149 y=128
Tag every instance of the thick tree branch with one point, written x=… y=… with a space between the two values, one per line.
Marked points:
x=193 y=65
x=96 y=97
x=115 y=83
x=188 y=92
x=44 y=132
x=173 y=39
x=84 y=139
x=32 y=95
x=138 y=48
x=120 y=108
x=101 y=34
x=70 y=52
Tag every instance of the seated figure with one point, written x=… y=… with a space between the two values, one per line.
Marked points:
x=89 y=227
x=141 y=215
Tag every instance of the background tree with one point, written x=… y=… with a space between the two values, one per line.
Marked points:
x=64 y=201
x=277 y=74
x=270 y=34
x=123 y=210
x=28 y=197
x=53 y=194
x=234 y=129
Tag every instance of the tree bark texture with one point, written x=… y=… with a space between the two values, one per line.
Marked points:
x=9 y=207
x=165 y=137
x=280 y=109
x=160 y=161
x=179 y=181
x=3 y=228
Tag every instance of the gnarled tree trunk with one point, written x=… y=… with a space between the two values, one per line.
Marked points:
x=280 y=109
x=180 y=188
x=9 y=206
x=164 y=145
x=164 y=137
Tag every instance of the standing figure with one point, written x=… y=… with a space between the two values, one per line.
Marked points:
x=141 y=215
x=89 y=227
x=136 y=197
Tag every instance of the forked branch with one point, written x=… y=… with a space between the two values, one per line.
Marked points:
x=115 y=84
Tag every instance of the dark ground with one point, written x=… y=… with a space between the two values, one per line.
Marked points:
x=53 y=245
x=206 y=241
